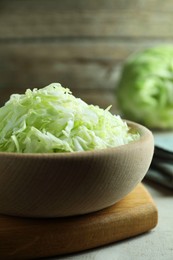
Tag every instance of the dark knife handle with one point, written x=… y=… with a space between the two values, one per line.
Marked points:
x=161 y=168
x=159 y=177
x=162 y=155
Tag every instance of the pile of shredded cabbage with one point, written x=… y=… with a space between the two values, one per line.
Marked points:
x=52 y=120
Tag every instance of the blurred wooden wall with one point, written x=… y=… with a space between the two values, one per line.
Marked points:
x=79 y=43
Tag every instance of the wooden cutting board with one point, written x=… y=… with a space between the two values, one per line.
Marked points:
x=23 y=238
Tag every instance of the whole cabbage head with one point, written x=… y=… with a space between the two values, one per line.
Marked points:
x=145 y=88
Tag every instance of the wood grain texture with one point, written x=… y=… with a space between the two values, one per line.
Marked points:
x=112 y=18
x=78 y=43
x=83 y=66
x=30 y=238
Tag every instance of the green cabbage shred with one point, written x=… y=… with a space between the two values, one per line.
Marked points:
x=52 y=120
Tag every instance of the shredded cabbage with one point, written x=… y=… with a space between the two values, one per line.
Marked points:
x=52 y=120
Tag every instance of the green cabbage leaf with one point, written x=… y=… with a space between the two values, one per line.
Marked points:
x=52 y=120
x=145 y=88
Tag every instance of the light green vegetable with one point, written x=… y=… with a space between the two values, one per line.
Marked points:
x=145 y=88
x=51 y=119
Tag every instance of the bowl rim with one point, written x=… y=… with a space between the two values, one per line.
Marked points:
x=143 y=131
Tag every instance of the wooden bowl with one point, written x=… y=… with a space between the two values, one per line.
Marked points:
x=67 y=184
